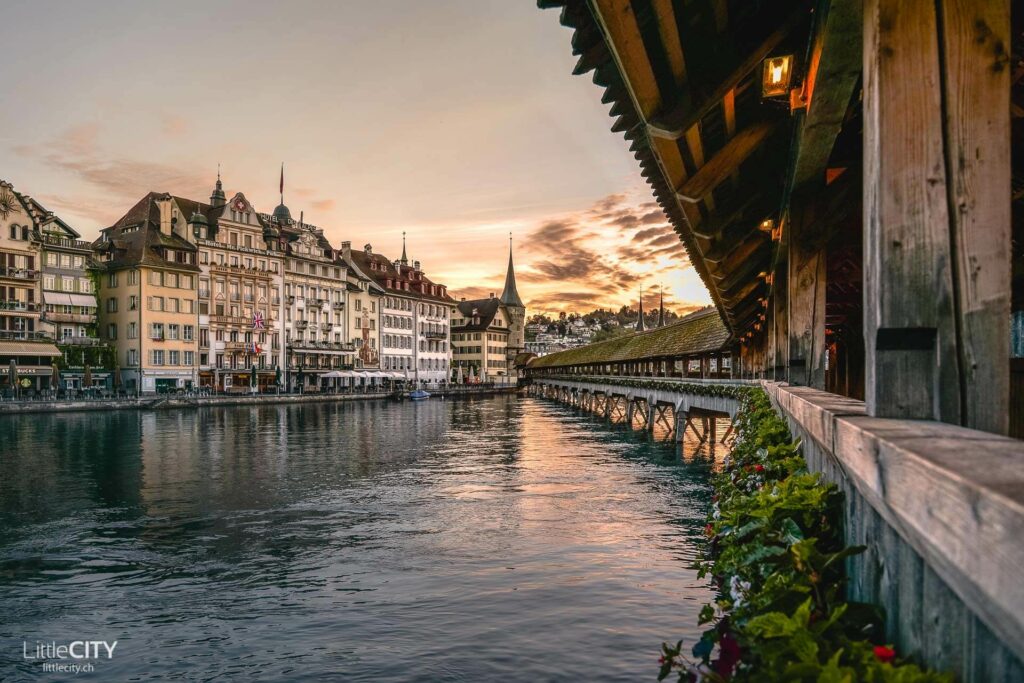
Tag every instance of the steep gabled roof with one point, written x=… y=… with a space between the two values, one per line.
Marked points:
x=485 y=310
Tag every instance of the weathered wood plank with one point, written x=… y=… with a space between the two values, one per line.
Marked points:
x=976 y=86
x=956 y=497
x=909 y=324
x=807 y=282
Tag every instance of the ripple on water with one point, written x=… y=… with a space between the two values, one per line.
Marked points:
x=502 y=538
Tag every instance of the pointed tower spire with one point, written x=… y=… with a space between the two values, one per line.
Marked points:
x=661 y=306
x=405 y=259
x=640 y=320
x=217 y=197
x=510 y=295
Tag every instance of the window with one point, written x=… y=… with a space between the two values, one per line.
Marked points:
x=133 y=277
x=51 y=258
x=173 y=357
x=156 y=331
x=172 y=305
x=172 y=331
x=111 y=305
x=84 y=285
x=187 y=306
x=157 y=357
x=68 y=284
x=188 y=332
x=204 y=257
x=156 y=278
x=190 y=358
x=132 y=357
x=133 y=331
x=156 y=303
x=133 y=302
x=171 y=280
x=48 y=282
x=112 y=280
x=112 y=331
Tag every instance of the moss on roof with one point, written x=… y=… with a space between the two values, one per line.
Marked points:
x=700 y=332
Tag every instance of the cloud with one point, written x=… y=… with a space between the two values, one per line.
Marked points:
x=323 y=204
x=663 y=240
x=173 y=126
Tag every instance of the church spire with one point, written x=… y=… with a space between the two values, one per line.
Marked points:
x=661 y=306
x=217 y=197
x=510 y=295
x=640 y=320
x=405 y=259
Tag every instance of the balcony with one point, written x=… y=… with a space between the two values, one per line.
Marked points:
x=326 y=327
x=303 y=345
x=18 y=273
x=65 y=242
x=289 y=299
x=15 y=305
x=204 y=294
x=80 y=318
x=322 y=302
x=301 y=324
x=231 y=320
x=338 y=305
x=24 y=335
x=248 y=298
x=435 y=334
x=80 y=341
x=240 y=270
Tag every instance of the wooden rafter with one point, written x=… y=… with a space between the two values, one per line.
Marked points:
x=723 y=164
x=673 y=124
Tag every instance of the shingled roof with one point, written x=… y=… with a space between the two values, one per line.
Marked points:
x=485 y=310
x=393 y=278
x=700 y=332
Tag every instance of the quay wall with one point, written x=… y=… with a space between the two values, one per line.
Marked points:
x=170 y=403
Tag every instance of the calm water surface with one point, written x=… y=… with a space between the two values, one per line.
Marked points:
x=505 y=539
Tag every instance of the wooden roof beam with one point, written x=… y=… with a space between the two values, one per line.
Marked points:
x=721 y=166
x=673 y=124
x=836 y=63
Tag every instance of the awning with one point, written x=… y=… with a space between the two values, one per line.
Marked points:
x=15 y=348
x=59 y=299
x=86 y=300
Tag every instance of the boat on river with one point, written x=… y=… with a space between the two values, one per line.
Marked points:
x=419 y=395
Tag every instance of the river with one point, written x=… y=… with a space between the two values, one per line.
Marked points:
x=506 y=539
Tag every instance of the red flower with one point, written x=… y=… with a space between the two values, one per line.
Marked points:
x=759 y=468
x=661 y=660
x=709 y=530
x=884 y=654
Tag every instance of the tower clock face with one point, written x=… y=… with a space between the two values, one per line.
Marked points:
x=239 y=205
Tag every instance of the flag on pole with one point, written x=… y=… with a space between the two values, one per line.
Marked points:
x=282 y=178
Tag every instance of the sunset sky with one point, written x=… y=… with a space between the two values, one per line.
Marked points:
x=455 y=121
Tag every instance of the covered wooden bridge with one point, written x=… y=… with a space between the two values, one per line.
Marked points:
x=847 y=178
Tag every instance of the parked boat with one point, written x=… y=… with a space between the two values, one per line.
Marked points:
x=419 y=395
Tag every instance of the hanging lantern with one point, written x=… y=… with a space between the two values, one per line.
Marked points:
x=777 y=73
x=766 y=225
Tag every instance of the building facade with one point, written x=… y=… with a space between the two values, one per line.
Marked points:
x=315 y=293
x=415 y=317
x=363 y=312
x=147 y=296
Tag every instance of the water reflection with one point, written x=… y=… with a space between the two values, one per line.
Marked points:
x=445 y=540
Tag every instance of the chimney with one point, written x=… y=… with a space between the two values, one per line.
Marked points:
x=163 y=203
x=368 y=248
x=346 y=249
x=492 y=295
x=416 y=266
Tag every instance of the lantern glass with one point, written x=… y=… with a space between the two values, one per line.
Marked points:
x=777 y=74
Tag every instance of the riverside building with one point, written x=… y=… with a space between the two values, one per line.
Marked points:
x=147 y=295
x=415 y=317
x=315 y=284
x=363 y=312
x=488 y=334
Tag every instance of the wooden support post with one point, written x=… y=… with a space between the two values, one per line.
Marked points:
x=806 y=302
x=680 y=425
x=650 y=417
x=713 y=429
x=780 y=358
x=936 y=210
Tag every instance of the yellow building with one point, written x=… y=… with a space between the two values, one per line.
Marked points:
x=480 y=334
x=147 y=296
